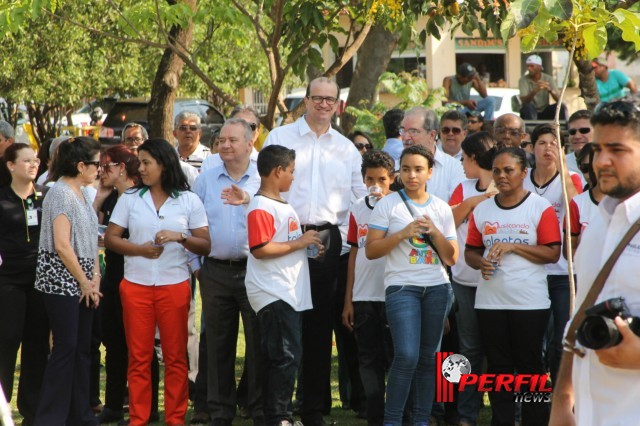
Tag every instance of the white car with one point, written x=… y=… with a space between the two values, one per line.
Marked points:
x=503 y=98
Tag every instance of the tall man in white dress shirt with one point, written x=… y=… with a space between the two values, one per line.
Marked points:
x=224 y=295
x=327 y=174
x=605 y=384
x=420 y=127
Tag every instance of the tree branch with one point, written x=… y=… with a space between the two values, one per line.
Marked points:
x=129 y=23
x=348 y=51
x=294 y=55
x=187 y=60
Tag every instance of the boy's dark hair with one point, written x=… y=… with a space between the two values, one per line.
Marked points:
x=377 y=158
x=619 y=113
x=391 y=121
x=542 y=129
x=517 y=153
x=71 y=152
x=418 y=150
x=173 y=178
x=272 y=156
x=480 y=146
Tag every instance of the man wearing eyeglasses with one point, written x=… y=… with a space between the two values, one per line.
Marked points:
x=188 y=132
x=327 y=176
x=580 y=134
x=509 y=131
x=475 y=122
x=453 y=130
x=420 y=127
x=7 y=136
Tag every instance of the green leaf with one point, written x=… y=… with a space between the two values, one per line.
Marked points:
x=524 y=11
x=628 y=22
x=561 y=9
x=528 y=42
x=595 y=40
x=508 y=27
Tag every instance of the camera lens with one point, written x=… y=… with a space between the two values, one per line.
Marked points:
x=598 y=332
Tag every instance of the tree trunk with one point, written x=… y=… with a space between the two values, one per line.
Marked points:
x=167 y=80
x=373 y=58
x=588 y=88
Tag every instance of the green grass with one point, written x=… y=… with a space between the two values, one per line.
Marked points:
x=338 y=414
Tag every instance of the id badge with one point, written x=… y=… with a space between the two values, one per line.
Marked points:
x=32 y=217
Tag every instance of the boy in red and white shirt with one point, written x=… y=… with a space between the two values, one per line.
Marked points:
x=364 y=309
x=277 y=279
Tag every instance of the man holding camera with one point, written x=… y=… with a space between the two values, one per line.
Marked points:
x=604 y=384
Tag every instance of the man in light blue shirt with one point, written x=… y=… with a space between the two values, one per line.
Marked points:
x=224 y=296
x=391 y=121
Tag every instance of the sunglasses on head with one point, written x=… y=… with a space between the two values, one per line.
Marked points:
x=582 y=130
x=454 y=130
x=363 y=146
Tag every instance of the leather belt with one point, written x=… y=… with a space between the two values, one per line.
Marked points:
x=239 y=263
x=318 y=228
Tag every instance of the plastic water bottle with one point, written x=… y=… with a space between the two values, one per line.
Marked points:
x=312 y=251
x=372 y=198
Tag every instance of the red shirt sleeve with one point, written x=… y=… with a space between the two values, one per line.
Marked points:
x=352 y=234
x=574 y=214
x=260 y=227
x=548 y=228
x=474 y=237
x=457 y=197
x=577 y=182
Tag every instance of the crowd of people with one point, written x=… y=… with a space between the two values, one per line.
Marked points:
x=449 y=238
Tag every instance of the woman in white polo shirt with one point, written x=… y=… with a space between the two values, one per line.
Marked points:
x=416 y=233
x=164 y=220
x=510 y=239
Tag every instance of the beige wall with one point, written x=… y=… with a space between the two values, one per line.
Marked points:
x=441 y=59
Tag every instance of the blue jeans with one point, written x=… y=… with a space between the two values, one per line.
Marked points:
x=469 y=400
x=281 y=336
x=416 y=317
x=485 y=105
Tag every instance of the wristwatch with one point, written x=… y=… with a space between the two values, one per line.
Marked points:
x=184 y=237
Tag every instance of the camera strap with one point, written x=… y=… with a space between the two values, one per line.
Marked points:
x=425 y=237
x=569 y=343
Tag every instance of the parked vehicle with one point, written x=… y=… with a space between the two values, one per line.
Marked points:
x=82 y=116
x=504 y=100
x=137 y=110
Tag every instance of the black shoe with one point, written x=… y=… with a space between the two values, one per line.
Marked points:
x=154 y=417
x=200 y=418
x=110 y=416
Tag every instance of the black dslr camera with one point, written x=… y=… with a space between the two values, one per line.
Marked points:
x=598 y=331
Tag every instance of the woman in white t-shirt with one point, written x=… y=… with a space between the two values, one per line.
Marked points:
x=165 y=221
x=416 y=233
x=545 y=181
x=477 y=160
x=510 y=239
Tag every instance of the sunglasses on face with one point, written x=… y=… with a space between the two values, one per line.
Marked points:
x=192 y=127
x=92 y=163
x=584 y=167
x=454 y=130
x=363 y=146
x=582 y=130
x=107 y=166
x=473 y=121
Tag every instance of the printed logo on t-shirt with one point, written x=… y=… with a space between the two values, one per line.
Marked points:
x=362 y=235
x=516 y=233
x=421 y=254
x=294 y=230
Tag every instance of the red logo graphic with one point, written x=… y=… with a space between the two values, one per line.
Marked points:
x=362 y=231
x=293 y=225
x=490 y=228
